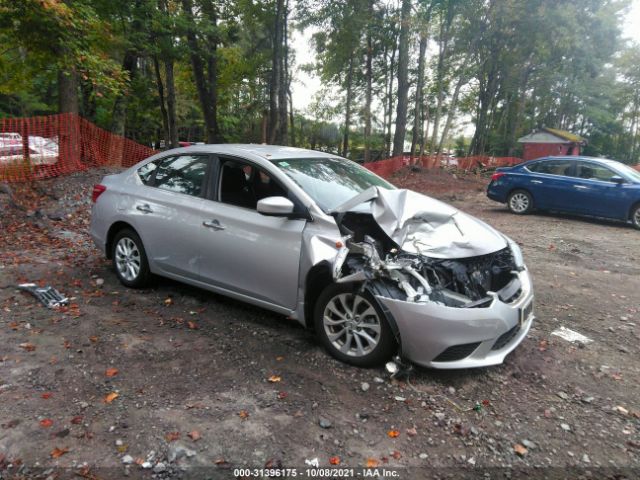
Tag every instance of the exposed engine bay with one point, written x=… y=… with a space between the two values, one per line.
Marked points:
x=371 y=256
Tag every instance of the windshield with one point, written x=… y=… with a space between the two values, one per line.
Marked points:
x=330 y=181
x=630 y=172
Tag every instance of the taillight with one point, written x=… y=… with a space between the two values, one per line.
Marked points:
x=97 y=191
x=497 y=175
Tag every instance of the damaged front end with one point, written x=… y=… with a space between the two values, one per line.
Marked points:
x=462 y=283
x=421 y=257
x=414 y=248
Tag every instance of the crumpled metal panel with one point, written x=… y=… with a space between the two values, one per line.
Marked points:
x=423 y=225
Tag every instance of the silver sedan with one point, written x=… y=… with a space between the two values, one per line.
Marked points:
x=373 y=269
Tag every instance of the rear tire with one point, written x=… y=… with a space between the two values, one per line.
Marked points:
x=130 y=259
x=635 y=216
x=352 y=327
x=520 y=202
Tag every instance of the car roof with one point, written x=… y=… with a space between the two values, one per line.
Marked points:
x=606 y=161
x=268 y=152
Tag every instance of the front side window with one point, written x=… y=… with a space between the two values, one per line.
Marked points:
x=552 y=167
x=244 y=185
x=330 y=181
x=593 y=171
x=183 y=174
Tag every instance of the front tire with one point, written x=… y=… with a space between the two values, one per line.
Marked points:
x=352 y=327
x=635 y=216
x=130 y=259
x=520 y=202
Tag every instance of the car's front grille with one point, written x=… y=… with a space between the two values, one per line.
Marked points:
x=506 y=338
x=457 y=352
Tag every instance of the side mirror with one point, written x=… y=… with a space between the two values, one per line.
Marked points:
x=617 y=179
x=275 y=206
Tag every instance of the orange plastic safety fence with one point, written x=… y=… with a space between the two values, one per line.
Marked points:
x=386 y=168
x=47 y=146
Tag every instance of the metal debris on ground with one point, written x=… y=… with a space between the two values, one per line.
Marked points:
x=398 y=369
x=571 y=336
x=48 y=296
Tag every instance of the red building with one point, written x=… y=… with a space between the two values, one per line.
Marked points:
x=550 y=142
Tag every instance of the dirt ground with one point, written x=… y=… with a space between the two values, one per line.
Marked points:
x=174 y=381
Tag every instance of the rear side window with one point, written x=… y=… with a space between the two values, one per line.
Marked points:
x=183 y=174
x=593 y=171
x=552 y=167
x=145 y=172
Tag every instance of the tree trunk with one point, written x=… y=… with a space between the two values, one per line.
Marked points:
x=347 y=114
x=419 y=92
x=163 y=109
x=389 y=109
x=206 y=97
x=275 y=129
x=403 y=79
x=369 y=85
x=452 y=111
x=171 y=102
x=119 y=112
x=68 y=91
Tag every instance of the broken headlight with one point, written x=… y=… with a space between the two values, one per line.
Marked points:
x=518 y=259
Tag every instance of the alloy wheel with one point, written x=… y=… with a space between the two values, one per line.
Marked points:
x=352 y=324
x=128 y=259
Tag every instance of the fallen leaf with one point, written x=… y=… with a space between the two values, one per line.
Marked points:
x=222 y=463
x=279 y=358
x=194 y=435
x=77 y=420
x=393 y=433
x=46 y=423
x=29 y=347
x=93 y=339
x=396 y=455
x=520 y=449
x=168 y=301
x=542 y=346
x=67 y=344
x=58 y=452
x=111 y=372
x=46 y=395
x=110 y=397
x=372 y=463
x=243 y=414
x=192 y=325
x=274 y=378
x=282 y=395
x=616 y=376
x=172 y=436
x=334 y=460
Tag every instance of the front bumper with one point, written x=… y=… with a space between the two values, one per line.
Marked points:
x=430 y=333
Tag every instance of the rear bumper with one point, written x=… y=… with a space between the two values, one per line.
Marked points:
x=494 y=194
x=470 y=337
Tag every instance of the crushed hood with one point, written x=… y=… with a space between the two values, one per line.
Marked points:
x=423 y=225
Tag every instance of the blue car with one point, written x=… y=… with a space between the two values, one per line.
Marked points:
x=580 y=185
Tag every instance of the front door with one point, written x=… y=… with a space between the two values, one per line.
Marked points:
x=242 y=250
x=594 y=192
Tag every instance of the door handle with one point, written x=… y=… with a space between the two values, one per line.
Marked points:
x=144 y=208
x=581 y=187
x=215 y=224
x=536 y=181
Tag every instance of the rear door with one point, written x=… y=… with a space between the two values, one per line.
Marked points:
x=242 y=250
x=550 y=183
x=166 y=211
